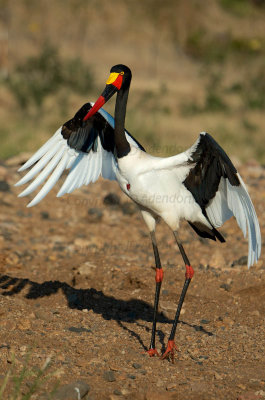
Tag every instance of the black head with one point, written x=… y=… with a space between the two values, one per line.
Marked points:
x=123 y=71
x=119 y=79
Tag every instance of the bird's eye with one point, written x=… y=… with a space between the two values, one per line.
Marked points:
x=121 y=73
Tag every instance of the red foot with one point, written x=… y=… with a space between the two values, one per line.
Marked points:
x=159 y=274
x=189 y=272
x=170 y=351
x=153 y=352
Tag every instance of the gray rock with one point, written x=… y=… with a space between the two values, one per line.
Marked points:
x=136 y=365
x=73 y=391
x=4 y=186
x=225 y=286
x=45 y=215
x=129 y=208
x=131 y=376
x=78 y=329
x=240 y=261
x=117 y=392
x=205 y=321
x=95 y=214
x=111 y=199
x=109 y=376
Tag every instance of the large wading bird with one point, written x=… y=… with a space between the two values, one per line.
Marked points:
x=200 y=185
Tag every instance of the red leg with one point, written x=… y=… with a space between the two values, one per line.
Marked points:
x=171 y=347
x=153 y=352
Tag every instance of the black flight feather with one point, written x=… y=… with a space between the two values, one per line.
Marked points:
x=81 y=135
x=211 y=163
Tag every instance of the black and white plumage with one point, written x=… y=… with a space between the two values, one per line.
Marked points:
x=205 y=170
x=221 y=193
x=200 y=185
x=86 y=149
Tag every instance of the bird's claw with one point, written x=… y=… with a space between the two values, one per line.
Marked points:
x=153 y=352
x=170 y=351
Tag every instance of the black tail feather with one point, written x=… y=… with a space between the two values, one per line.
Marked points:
x=205 y=232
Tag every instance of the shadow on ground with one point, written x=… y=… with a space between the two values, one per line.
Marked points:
x=109 y=307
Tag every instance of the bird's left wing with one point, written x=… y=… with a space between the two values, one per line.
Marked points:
x=220 y=191
x=85 y=148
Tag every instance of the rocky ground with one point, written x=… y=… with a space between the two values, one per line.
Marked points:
x=77 y=285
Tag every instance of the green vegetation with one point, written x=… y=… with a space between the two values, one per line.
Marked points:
x=23 y=384
x=197 y=66
x=241 y=8
x=213 y=102
x=216 y=49
x=44 y=74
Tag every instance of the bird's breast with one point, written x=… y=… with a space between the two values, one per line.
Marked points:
x=155 y=190
x=159 y=190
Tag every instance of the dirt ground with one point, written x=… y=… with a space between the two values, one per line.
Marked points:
x=77 y=285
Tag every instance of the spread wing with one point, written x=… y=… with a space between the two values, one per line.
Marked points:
x=220 y=191
x=87 y=149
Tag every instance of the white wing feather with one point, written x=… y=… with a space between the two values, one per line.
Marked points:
x=55 y=156
x=234 y=200
x=41 y=151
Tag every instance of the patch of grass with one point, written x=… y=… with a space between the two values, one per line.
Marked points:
x=44 y=74
x=254 y=95
x=249 y=126
x=200 y=47
x=251 y=91
x=213 y=101
x=240 y=8
x=23 y=384
x=216 y=49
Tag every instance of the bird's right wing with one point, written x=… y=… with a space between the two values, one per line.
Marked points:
x=85 y=148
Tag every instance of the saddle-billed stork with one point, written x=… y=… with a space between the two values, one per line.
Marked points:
x=200 y=185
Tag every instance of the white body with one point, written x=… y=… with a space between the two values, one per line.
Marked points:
x=157 y=187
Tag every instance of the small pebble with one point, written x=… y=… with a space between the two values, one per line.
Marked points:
x=241 y=261
x=205 y=321
x=225 y=286
x=131 y=376
x=129 y=208
x=112 y=199
x=86 y=269
x=143 y=372
x=78 y=329
x=109 y=376
x=95 y=214
x=45 y=215
x=75 y=390
x=171 y=386
x=4 y=186
x=136 y=365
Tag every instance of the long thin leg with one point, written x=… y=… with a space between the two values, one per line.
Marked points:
x=188 y=276
x=159 y=277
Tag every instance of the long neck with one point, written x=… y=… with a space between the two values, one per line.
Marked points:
x=121 y=143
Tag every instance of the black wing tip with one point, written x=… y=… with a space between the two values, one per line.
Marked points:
x=205 y=232
x=218 y=235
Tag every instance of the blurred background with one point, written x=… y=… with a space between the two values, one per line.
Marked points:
x=197 y=66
